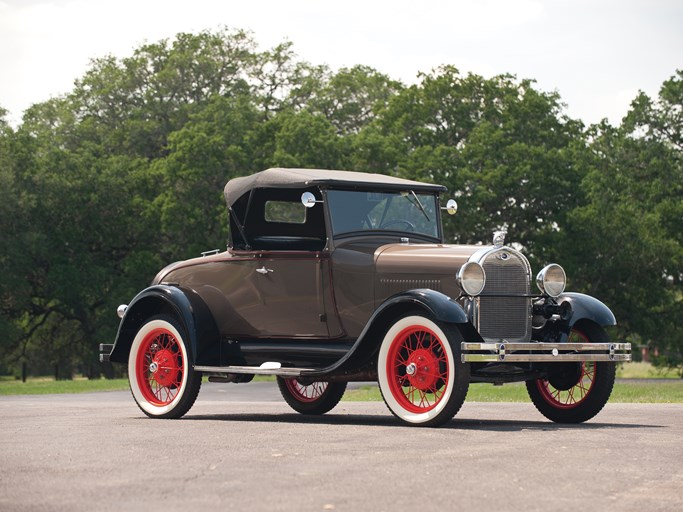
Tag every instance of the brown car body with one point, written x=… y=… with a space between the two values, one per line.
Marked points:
x=308 y=292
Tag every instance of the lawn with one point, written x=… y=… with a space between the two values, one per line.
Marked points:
x=644 y=384
x=49 y=386
x=630 y=391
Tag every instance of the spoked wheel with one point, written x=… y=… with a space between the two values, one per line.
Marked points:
x=420 y=374
x=575 y=392
x=162 y=381
x=311 y=398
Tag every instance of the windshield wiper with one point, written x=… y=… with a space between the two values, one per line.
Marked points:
x=418 y=204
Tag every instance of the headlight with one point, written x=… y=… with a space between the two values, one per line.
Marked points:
x=551 y=280
x=471 y=278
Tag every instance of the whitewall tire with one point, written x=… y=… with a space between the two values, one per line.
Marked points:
x=420 y=375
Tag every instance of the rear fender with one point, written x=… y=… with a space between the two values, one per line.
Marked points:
x=183 y=305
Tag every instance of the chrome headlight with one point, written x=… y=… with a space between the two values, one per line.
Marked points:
x=551 y=280
x=471 y=278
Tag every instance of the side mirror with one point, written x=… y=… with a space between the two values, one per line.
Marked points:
x=309 y=200
x=451 y=207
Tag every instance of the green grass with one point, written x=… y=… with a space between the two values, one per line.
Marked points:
x=630 y=391
x=624 y=392
x=643 y=370
x=47 y=386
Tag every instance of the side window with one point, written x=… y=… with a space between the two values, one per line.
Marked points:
x=278 y=221
x=285 y=212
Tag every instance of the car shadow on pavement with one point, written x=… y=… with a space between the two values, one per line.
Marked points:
x=390 y=421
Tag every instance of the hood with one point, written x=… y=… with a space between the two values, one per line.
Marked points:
x=423 y=258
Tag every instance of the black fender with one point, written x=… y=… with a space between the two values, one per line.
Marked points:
x=585 y=307
x=182 y=304
x=437 y=305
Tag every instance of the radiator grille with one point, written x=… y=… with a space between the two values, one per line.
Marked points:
x=505 y=317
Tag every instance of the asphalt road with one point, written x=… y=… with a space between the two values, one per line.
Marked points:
x=241 y=448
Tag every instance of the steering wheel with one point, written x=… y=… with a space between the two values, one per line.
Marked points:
x=409 y=226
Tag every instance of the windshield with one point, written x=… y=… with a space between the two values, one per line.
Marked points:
x=405 y=211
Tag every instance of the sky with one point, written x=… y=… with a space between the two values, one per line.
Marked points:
x=597 y=54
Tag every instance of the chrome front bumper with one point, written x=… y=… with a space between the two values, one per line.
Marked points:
x=544 y=352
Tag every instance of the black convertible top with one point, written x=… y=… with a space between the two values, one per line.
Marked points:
x=302 y=178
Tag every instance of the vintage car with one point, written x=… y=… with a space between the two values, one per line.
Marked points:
x=334 y=276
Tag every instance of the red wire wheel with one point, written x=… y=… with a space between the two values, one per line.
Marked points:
x=417 y=367
x=572 y=397
x=160 y=366
x=162 y=381
x=419 y=371
x=311 y=397
x=575 y=392
x=306 y=393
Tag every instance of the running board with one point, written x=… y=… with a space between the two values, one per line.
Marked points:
x=264 y=369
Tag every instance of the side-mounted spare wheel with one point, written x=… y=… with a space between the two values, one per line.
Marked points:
x=162 y=380
x=421 y=376
x=575 y=392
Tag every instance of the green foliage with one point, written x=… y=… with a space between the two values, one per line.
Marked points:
x=500 y=146
x=629 y=226
x=211 y=148
x=102 y=187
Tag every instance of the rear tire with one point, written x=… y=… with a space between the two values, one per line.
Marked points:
x=162 y=380
x=421 y=376
x=577 y=391
x=314 y=398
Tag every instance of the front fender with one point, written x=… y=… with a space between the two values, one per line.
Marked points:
x=436 y=304
x=185 y=306
x=440 y=306
x=585 y=307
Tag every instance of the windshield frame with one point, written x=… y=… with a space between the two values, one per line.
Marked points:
x=421 y=208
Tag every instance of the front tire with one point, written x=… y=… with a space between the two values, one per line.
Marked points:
x=421 y=376
x=162 y=380
x=313 y=398
x=575 y=392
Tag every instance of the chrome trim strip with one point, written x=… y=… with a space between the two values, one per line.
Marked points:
x=547 y=352
x=254 y=370
x=537 y=347
x=534 y=358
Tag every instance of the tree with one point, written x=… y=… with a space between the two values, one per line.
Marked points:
x=212 y=147
x=14 y=291
x=134 y=104
x=631 y=243
x=112 y=181
x=304 y=139
x=351 y=98
x=503 y=148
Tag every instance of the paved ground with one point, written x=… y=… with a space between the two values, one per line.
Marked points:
x=240 y=449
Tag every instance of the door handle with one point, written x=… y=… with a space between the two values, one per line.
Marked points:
x=264 y=270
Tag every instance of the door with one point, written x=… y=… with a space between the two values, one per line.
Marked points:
x=290 y=295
